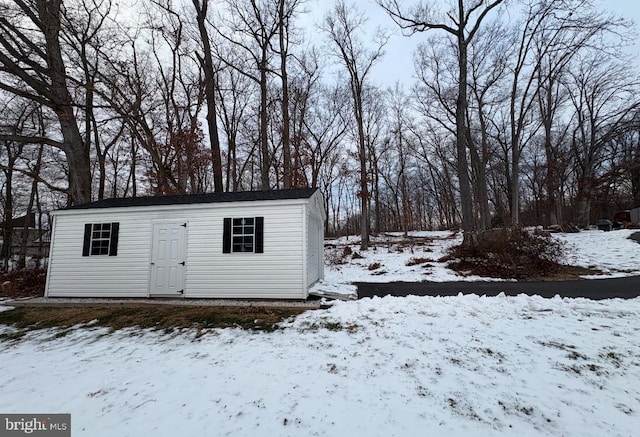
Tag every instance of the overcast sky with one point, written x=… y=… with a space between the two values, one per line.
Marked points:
x=397 y=64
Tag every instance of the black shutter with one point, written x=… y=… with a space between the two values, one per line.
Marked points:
x=87 y=240
x=259 y=235
x=113 y=244
x=226 y=236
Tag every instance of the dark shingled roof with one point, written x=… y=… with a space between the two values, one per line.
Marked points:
x=183 y=199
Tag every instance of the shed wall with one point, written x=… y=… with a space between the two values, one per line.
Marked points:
x=315 y=239
x=276 y=273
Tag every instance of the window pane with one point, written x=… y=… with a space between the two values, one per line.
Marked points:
x=100 y=247
x=100 y=238
x=242 y=234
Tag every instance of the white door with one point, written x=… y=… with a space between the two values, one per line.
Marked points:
x=168 y=259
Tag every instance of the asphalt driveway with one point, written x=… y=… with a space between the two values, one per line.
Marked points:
x=625 y=288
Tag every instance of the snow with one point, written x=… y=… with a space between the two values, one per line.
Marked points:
x=454 y=366
x=393 y=259
x=611 y=252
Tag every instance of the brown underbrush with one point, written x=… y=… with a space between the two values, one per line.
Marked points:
x=512 y=254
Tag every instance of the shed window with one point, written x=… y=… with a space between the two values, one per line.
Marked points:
x=243 y=234
x=100 y=239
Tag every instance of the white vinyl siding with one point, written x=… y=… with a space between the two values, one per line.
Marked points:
x=279 y=272
x=275 y=273
x=71 y=274
x=314 y=249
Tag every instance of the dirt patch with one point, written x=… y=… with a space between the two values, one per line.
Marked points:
x=167 y=319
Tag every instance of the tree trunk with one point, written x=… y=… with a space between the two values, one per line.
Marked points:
x=22 y=259
x=362 y=157
x=7 y=237
x=515 y=186
x=265 y=162
x=75 y=149
x=635 y=179
x=287 y=177
x=466 y=199
x=206 y=62
x=583 y=202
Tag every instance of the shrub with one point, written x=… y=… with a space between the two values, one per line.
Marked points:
x=23 y=282
x=508 y=253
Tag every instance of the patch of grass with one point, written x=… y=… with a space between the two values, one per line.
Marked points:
x=157 y=317
x=557 y=345
x=573 y=355
x=330 y=326
x=526 y=410
x=614 y=357
x=333 y=326
x=12 y=336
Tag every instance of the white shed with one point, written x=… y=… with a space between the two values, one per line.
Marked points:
x=254 y=244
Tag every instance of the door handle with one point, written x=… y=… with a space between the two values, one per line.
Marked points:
x=182 y=263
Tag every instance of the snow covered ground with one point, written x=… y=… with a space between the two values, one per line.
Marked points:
x=453 y=366
x=611 y=252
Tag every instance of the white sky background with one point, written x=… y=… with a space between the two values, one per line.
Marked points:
x=397 y=64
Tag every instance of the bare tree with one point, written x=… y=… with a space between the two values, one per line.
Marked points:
x=286 y=10
x=88 y=33
x=318 y=122
x=11 y=152
x=254 y=25
x=462 y=24
x=487 y=68
x=551 y=35
x=206 y=62
x=157 y=90
x=605 y=100
x=342 y=25
x=397 y=155
x=32 y=65
x=234 y=95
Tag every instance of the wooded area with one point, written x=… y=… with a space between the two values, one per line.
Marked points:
x=522 y=112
